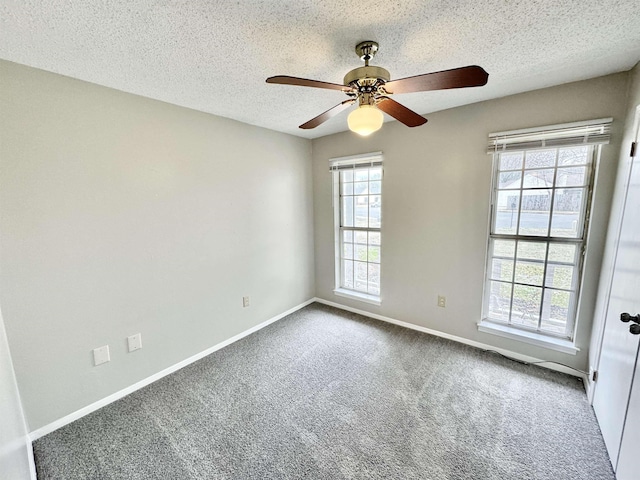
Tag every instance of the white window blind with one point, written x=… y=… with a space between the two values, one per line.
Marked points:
x=591 y=132
x=373 y=159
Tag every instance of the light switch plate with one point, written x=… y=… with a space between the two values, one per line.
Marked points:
x=101 y=355
x=134 y=342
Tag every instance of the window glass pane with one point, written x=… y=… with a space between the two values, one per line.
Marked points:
x=347 y=211
x=504 y=248
x=539 y=179
x=347 y=188
x=540 y=158
x=361 y=174
x=531 y=250
x=506 y=217
x=526 y=306
x=374 y=279
x=347 y=250
x=347 y=274
x=559 y=276
x=573 y=156
x=571 y=177
x=562 y=252
x=502 y=269
x=360 y=276
x=510 y=179
x=374 y=211
x=529 y=272
x=361 y=237
x=360 y=188
x=567 y=207
x=511 y=161
x=555 y=312
x=499 y=300
x=362 y=211
x=375 y=173
x=347 y=236
x=346 y=175
x=534 y=216
x=375 y=188
x=361 y=252
x=374 y=254
x=374 y=238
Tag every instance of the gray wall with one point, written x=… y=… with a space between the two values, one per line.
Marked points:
x=121 y=214
x=14 y=457
x=632 y=101
x=436 y=204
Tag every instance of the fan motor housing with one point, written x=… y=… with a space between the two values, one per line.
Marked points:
x=367 y=75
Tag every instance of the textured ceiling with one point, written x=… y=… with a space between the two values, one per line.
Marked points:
x=214 y=56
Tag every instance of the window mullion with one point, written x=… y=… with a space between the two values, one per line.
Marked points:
x=546 y=255
x=513 y=279
x=363 y=229
x=534 y=238
x=521 y=195
x=544 y=281
x=553 y=194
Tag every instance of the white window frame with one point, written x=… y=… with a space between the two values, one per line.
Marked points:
x=336 y=165
x=593 y=134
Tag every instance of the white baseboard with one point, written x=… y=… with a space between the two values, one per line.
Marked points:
x=473 y=343
x=588 y=387
x=32 y=461
x=67 y=419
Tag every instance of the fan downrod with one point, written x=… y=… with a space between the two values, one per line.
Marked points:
x=367 y=50
x=366 y=79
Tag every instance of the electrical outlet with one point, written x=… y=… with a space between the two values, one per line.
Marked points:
x=134 y=342
x=101 y=355
x=245 y=302
x=442 y=301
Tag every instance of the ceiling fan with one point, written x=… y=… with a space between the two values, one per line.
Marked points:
x=370 y=87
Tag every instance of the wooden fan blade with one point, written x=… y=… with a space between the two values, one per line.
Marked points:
x=400 y=112
x=303 y=82
x=323 y=117
x=471 y=76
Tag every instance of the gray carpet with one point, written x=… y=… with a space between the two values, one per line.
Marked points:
x=326 y=394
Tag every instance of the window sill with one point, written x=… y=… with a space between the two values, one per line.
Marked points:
x=532 y=338
x=362 y=297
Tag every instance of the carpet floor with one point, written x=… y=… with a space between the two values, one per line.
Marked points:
x=327 y=394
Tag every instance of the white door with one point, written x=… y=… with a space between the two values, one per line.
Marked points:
x=628 y=465
x=619 y=355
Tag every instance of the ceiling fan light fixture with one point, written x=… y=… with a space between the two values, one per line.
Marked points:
x=365 y=120
x=371 y=86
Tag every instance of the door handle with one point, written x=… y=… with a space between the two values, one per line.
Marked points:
x=626 y=318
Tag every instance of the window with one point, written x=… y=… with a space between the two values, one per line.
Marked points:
x=540 y=205
x=357 y=183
